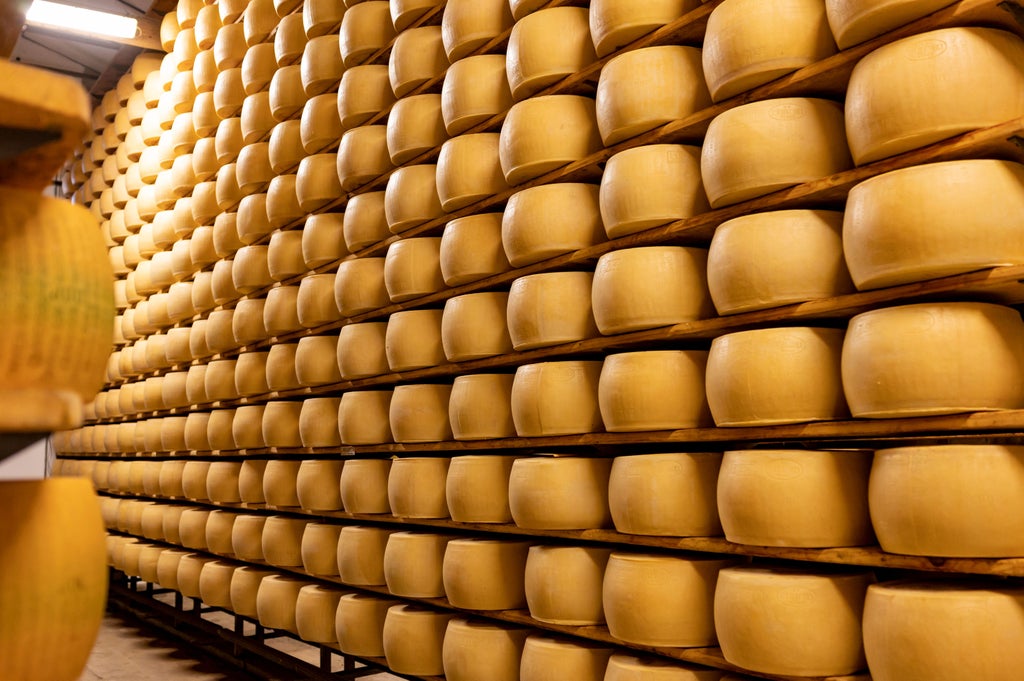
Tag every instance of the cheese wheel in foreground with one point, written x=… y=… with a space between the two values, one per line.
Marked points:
x=480 y=407
x=653 y=390
x=474 y=650
x=559 y=493
x=775 y=497
x=623 y=667
x=854 y=21
x=944 y=631
x=545 y=47
x=780 y=375
x=359 y=554
x=952 y=217
x=476 y=488
x=790 y=621
x=934 y=358
x=924 y=88
x=550 y=308
x=413 y=637
x=359 y=624
x=661 y=600
x=563 y=584
x=364 y=485
x=550 y=659
x=556 y=398
x=485 y=574
x=547 y=220
x=416 y=487
x=475 y=88
x=670 y=494
x=315 y=610
x=413 y=564
x=758 y=148
x=948 y=500
x=547 y=132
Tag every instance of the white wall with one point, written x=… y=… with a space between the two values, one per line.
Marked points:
x=29 y=463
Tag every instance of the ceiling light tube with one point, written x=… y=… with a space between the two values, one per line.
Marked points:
x=80 y=20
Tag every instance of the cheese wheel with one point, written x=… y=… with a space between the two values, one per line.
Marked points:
x=215 y=583
x=172 y=519
x=316 y=361
x=245 y=583
x=228 y=96
x=229 y=46
x=770 y=259
x=651 y=185
x=283 y=209
x=251 y=374
x=417 y=57
x=281 y=424
x=548 y=220
x=320 y=16
x=942 y=630
x=365 y=222
x=811 y=626
x=362 y=156
x=467 y=26
x=933 y=358
x=171 y=473
x=280 y=482
x=854 y=21
x=411 y=198
x=550 y=309
x=364 y=417
x=412 y=639
x=219 y=380
x=549 y=659
x=321 y=66
x=772 y=376
x=471 y=249
x=631 y=96
x=317 y=182
x=190 y=569
x=287 y=95
x=547 y=46
x=193 y=480
x=653 y=390
x=364 y=91
x=366 y=29
x=204 y=157
x=615 y=23
x=485 y=574
x=405 y=13
x=899 y=80
x=152 y=519
x=414 y=127
x=276 y=600
x=289 y=40
x=222 y=283
x=323 y=240
x=359 y=286
x=413 y=340
x=416 y=487
x=560 y=493
x=260 y=19
x=192 y=527
x=250 y=481
x=542 y=134
x=248 y=325
x=360 y=555
x=281 y=372
x=359 y=624
x=556 y=398
x=468 y=170
x=744 y=47
x=219 y=525
x=247 y=427
x=419 y=413
x=228 y=141
x=220 y=430
x=412 y=268
x=167 y=568
x=315 y=611
x=476 y=488
x=670 y=494
x=253 y=171
x=930 y=241
x=364 y=485
x=480 y=407
x=475 y=649
x=282 y=541
x=251 y=270
x=361 y=350
x=280 y=316
x=475 y=89
x=252 y=221
x=320 y=124
x=952 y=500
x=286 y=146
x=413 y=564
x=319 y=552
x=196 y=436
x=317 y=482
x=563 y=584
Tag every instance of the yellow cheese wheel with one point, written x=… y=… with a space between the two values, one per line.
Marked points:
x=476 y=488
x=417 y=57
x=547 y=46
x=556 y=398
x=215 y=583
x=321 y=66
x=550 y=309
x=228 y=96
x=317 y=482
x=287 y=95
x=412 y=268
x=405 y=13
x=319 y=549
x=548 y=220
x=219 y=380
x=468 y=170
x=251 y=270
x=247 y=324
x=260 y=19
x=414 y=127
x=467 y=26
x=320 y=124
x=250 y=481
x=190 y=569
x=653 y=390
x=316 y=362
x=480 y=407
x=854 y=21
x=196 y=435
x=228 y=141
x=413 y=564
x=323 y=239
x=365 y=221
x=251 y=374
x=229 y=47
x=476 y=649
x=280 y=316
x=247 y=427
x=615 y=23
x=359 y=623
x=419 y=413
x=791 y=621
x=360 y=555
x=253 y=171
x=471 y=249
x=475 y=89
x=219 y=429
x=282 y=541
x=933 y=358
x=320 y=16
x=245 y=583
x=952 y=500
x=413 y=637
x=485 y=574
x=411 y=198
x=289 y=40
x=364 y=485
x=317 y=182
x=362 y=156
x=563 y=584
x=366 y=28
x=361 y=350
x=670 y=494
x=315 y=611
x=283 y=209
x=281 y=372
x=564 y=493
x=204 y=157
x=192 y=527
x=359 y=286
x=416 y=487
x=286 y=146
x=281 y=424
x=542 y=134
x=219 y=525
x=276 y=598
x=280 y=482
x=413 y=340
x=167 y=568
x=363 y=92
x=252 y=222
x=632 y=97
x=942 y=630
x=924 y=88
x=550 y=659
x=170 y=478
x=219 y=335
x=364 y=417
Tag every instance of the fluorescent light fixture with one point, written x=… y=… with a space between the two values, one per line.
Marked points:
x=80 y=20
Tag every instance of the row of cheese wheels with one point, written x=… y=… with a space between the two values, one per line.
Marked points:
x=762 y=616
x=948 y=500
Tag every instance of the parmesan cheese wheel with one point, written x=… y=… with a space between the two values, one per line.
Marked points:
x=405 y=13
x=204 y=157
x=615 y=23
x=359 y=286
x=280 y=482
x=550 y=309
x=364 y=485
x=475 y=89
x=222 y=283
x=417 y=57
x=228 y=95
x=411 y=198
x=482 y=650
x=771 y=376
x=316 y=362
x=414 y=127
x=218 y=530
x=649 y=186
x=893 y=104
x=360 y=555
x=471 y=249
x=260 y=19
x=317 y=482
x=547 y=46
x=413 y=564
x=229 y=47
x=665 y=494
x=468 y=170
x=187 y=12
x=152 y=519
x=289 y=40
x=632 y=97
x=167 y=568
x=219 y=380
x=811 y=625
x=480 y=407
x=542 y=134
x=196 y=435
x=548 y=220
x=761 y=147
x=854 y=21
x=563 y=584
x=476 y=488
x=228 y=140
x=359 y=624
x=281 y=424
x=320 y=124
x=245 y=583
x=250 y=481
x=362 y=351
x=192 y=527
x=416 y=487
x=413 y=340
x=942 y=631
x=933 y=358
x=228 y=193
x=362 y=156
x=195 y=384
x=247 y=427
x=323 y=239
x=467 y=26
x=283 y=209
x=549 y=659
x=251 y=374
x=363 y=92
x=248 y=325
x=215 y=583
x=412 y=268
x=286 y=146
x=413 y=637
x=219 y=429
x=419 y=413
x=365 y=222
x=366 y=29
x=321 y=66
x=315 y=610
x=319 y=549
x=958 y=224
x=281 y=312
x=560 y=493
x=485 y=574
x=189 y=570
x=172 y=519
x=253 y=170
x=364 y=417
x=251 y=271
x=556 y=398
x=951 y=500
x=765 y=260
x=276 y=599
x=287 y=96
x=744 y=46
x=653 y=390
x=317 y=182
x=282 y=541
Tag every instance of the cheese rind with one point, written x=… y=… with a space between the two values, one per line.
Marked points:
x=485 y=574
x=559 y=493
x=854 y=21
x=476 y=488
x=670 y=494
x=547 y=132
x=653 y=390
x=563 y=584
x=556 y=398
x=475 y=650
x=545 y=47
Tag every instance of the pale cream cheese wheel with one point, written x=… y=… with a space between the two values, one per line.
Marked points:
x=323 y=239
x=476 y=488
x=647 y=287
x=475 y=89
x=413 y=637
x=563 y=584
x=548 y=220
x=215 y=583
x=364 y=417
x=359 y=286
x=276 y=599
x=317 y=182
x=315 y=611
x=416 y=487
x=319 y=549
x=366 y=28
x=365 y=222
x=282 y=541
x=547 y=46
x=615 y=23
x=364 y=485
x=320 y=123
x=550 y=659
x=632 y=96
x=855 y=21
x=414 y=127
x=468 y=25
x=747 y=44
x=770 y=259
x=359 y=623
x=474 y=326
x=560 y=493
x=361 y=350
x=670 y=494
x=411 y=198
x=280 y=482
x=953 y=217
x=476 y=649
x=417 y=57
x=777 y=375
x=219 y=336
x=485 y=574
x=413 y=564
x=363 y=92
x=471 y=249
x=934 y=358
x=219 y=526
x=791 y=621
x=947 y=500
x=480 y=407
x=651 y=185
x=321 y=65
x=924 y=88
x=544 y=133
x=413 y=340
x=360 y=555
x=943 y=630
x=245 y=583
x=412 y=268
x=557 y=398
x=661 y=600
x=317 y=482
x=653 y=390
x=550 y=308
x=468 y=170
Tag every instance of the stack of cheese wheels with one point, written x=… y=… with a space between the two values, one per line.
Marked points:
x=480 y=407
x=563 y=584
x=476 y=488
x=475 y=649
x=894 y=102
x=795 y=497
x=791 y=621
x=416 y=487
x=954 y=217
x=942 y=631
x=413 y=637
x=549 y=309
x=560 y=493
x=778 y=375
x=952 y=500
x=550 y=219
x=934 y=358
x=414 y=564
x=556 y=398
x=485 y=574
x=359 y=624
x=360 y=554
x=855 y=21
x=547 y=659
x=653 y=390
